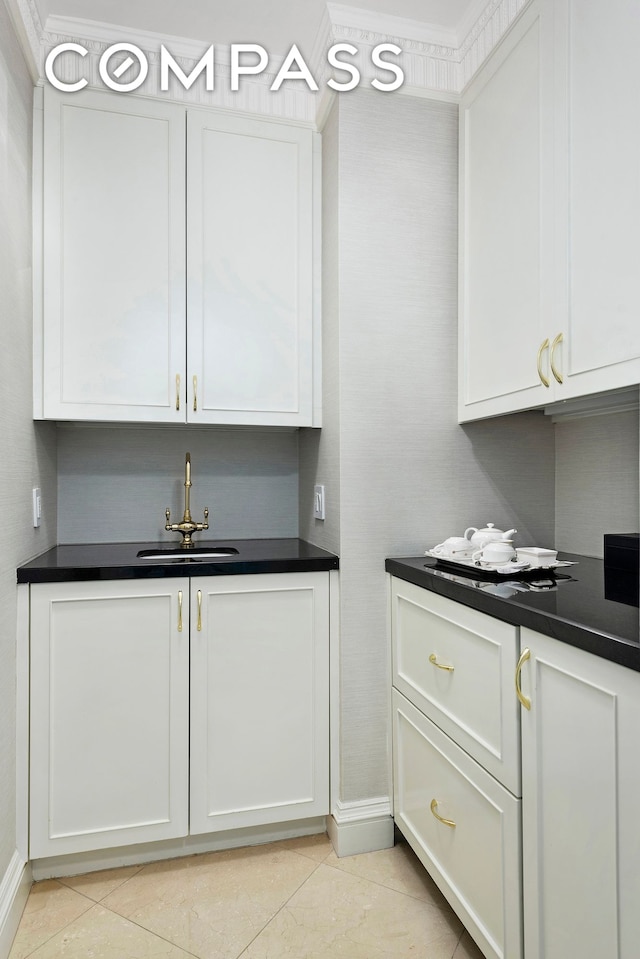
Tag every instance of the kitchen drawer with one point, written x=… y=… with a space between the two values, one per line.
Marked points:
x=474 y=702
x=476 y=862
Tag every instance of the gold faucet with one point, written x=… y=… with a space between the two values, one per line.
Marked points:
x=187 y=526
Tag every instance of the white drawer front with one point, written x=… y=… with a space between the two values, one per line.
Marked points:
x=474 y=702
x=475 y=863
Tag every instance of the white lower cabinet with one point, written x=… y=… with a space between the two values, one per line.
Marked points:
x=554 y=873
x=120 y=745
x=259 y=700
x=109 y=738
x=456 y=758
x=581 y=789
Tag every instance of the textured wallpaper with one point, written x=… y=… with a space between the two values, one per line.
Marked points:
x=27 y=451
x=114 y=484
x=408 y=474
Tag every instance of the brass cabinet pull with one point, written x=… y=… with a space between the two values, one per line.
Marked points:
x=559 y=377
x=445 y=822
x=179 y=610
x=524 y=656
x=199 y=610
x=433 y=659
x=177 y=391
x=195 y=394
x=543 y=346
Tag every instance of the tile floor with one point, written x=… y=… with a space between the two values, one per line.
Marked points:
x=287 y=900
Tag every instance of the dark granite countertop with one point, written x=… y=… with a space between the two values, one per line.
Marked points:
x=82 y=562
x=585 y=605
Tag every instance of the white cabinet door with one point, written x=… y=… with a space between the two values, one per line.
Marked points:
x=504 y=169
x=463 y=825
x=250 y=295
x=598 y=188
x=113 y=310
x=259 y=700
x=581 y=781
x=109 y=714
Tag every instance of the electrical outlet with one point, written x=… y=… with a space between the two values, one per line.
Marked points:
x=37 y=507
x=318 y=502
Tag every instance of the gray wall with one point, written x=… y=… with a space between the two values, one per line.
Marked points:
x=596 y=481
x=27 y=452
x=408 y=474
x=114 y=484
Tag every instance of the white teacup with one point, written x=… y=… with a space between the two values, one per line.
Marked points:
x=453 y=546
x=496 y=553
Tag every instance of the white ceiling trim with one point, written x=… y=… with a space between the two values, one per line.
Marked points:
x=26 y=19
x=434 y=62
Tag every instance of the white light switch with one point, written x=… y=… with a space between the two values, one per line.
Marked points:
x=318 y=502
x=37 y=507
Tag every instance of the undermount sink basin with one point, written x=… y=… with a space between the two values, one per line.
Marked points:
x=173 y=553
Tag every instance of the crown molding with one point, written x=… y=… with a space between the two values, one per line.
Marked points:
x=28 y=26
x=485 y=34
x=436 y=62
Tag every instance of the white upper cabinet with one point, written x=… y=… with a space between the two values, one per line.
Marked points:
x=133 y=205
x=597 y=156
x=113 y=333
x=250 y=297
x=500 y=299
x=549 y=233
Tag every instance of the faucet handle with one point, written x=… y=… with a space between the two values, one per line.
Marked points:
x=167 y=513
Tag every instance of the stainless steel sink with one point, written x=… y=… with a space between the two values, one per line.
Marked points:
x=177 y=553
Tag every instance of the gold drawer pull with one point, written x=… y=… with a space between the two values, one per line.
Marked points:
x=177 y=391
x=445 y=822
x=179 y=610
x=543 y=346
x=199 y=610
x=554 y=346
x=433 y=659
x=195 y=394
x=525 y=655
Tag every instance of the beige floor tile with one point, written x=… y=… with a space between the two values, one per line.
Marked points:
x=335 y=915
x=100 y=934
x=212 y=905
x=315 y=847
x=398 y=868
x=50 y=907
x=467 y=948
x=97 y=885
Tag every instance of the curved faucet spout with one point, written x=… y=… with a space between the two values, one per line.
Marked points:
x=187 y=526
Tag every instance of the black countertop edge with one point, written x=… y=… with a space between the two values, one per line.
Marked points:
x=563 y=624
x=70 y=563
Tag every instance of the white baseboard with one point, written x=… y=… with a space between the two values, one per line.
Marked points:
x=14 y=891
x=356 y=827
x=76 y=864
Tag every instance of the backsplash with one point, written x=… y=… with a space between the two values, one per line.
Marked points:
x=114 y=483
x=597 y=480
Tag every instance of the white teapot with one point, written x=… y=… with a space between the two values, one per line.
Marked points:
x=480 y=537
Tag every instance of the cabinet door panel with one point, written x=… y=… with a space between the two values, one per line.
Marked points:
x=250 y=282
x=259 y=700
x=109 y=715
x=501 y=229
x=580 y=773
x=114 y=271
x=476 y=862
x=599 y=65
